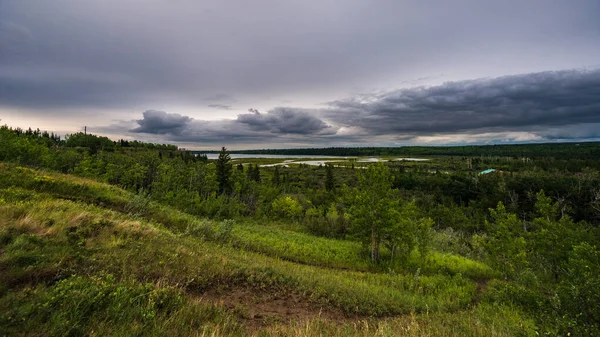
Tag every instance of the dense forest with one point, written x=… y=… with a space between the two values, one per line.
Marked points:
x=580 y=150
x=522 y=240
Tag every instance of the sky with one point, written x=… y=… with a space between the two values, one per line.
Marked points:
x=280 y=74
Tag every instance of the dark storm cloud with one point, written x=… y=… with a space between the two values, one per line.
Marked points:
x=273 y=125
x=577 y=131
x=528 y=107
x=160 y=122
x=284 y=120
x=522 y=102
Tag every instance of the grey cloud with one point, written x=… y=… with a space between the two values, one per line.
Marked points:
x=220 y=106
x=577 y=131
x=520 y=102
x=13 y=37
x=285 y=120
x=114 y=56
x=276 y=125
x=522 y=108
x=160 y=122
x=277 y=50
x=60 y=92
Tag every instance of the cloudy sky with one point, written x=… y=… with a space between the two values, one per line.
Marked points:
x=274 y=74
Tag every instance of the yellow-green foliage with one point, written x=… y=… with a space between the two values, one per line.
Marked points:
x=77 y=230
x=105 y=263
x=276 y=242
x=300 y=247
x=287 y=207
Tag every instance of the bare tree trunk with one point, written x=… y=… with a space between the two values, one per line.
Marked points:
x=373 y=244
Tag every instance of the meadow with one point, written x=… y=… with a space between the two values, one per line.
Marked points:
x=105 y=238
x=71 y=266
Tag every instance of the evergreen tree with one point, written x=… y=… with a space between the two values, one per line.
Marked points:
x=250 y=172
x=329 y=181
x=256 y=174
x=224 y=167
x=276 y=179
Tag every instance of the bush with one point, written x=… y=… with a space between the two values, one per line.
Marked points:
x=73 y=306
x=287 y=207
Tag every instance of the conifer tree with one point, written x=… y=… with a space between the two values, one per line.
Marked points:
x=224 y=166
x=276 y=179
x=256 y=174
x=329 y=181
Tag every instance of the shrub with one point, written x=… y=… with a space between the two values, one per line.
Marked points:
x=287 y=207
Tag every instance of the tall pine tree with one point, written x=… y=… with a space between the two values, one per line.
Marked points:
x=224 y=171
x=329 y=181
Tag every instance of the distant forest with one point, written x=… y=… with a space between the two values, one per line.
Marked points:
x=583 y=150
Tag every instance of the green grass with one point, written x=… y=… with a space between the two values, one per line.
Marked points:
x=104 y=306
x=300 y=247
x=455 y=264
x=484 y=320
x=276 y=242
x=83 y=236
x=79 y=256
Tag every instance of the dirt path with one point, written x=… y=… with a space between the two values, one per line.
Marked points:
x=481 y=286
x=259 y=308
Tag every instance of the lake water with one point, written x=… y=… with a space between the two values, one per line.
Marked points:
x=320 y=160
x=272 y=156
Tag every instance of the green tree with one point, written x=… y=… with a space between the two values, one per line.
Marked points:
x=553 y=238
x=287 y=207
x=373 y=210
x=224 y=167
x=506 y=245
x=579 y=293
x=329 y=180
x=254 y=173
x=409 y=230
x=276 y=179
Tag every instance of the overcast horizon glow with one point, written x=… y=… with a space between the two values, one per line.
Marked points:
x=303 y=74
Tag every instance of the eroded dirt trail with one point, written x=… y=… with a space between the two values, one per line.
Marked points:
x=259 y=308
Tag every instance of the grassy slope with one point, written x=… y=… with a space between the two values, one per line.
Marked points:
x=275 y=242
x=113 y=264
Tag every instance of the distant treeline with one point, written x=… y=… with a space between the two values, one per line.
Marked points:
x=583 y=150
x=81 y=139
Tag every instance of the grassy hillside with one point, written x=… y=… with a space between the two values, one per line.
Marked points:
x=79 y=257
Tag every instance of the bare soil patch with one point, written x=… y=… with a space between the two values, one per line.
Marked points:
x=259 y=308
x=481 y=286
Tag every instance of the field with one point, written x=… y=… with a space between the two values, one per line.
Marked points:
x=81 y=256
x=117 y=238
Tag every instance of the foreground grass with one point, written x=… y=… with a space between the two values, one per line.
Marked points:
x=275 y=242
x=106 y=263
x=70 y=265
x=98 y=240
x=484 y=320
